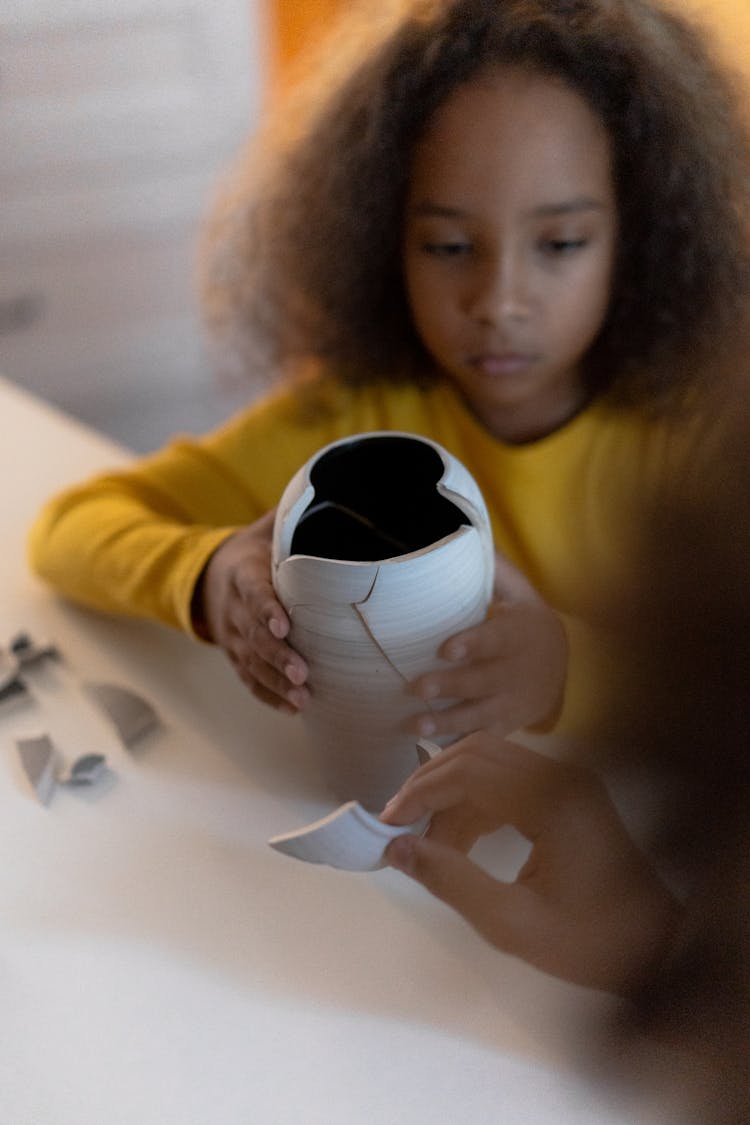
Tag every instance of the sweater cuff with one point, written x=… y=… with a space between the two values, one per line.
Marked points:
x=192 y=565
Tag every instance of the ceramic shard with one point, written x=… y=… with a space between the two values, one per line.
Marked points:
x=89 y=769
x=9 y=668
x=39 y=760
x=350 y=839
x=20 y=654
x=132 y=716
x=13 y=692
x=426 y=750
x=428 y=598
x=28 y=651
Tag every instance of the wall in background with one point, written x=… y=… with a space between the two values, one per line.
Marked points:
x=294 y=23
x=729 y=21
x=116 y=117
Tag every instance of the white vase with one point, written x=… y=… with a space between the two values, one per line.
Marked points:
x=382 y=550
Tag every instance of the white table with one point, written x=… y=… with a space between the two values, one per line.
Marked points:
x=161 y=965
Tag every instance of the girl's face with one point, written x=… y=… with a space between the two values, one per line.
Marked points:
x=509 y=245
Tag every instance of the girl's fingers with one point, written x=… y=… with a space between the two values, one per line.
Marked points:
x=421 y=796
x=505 y=694
x=246 y=619
x=263 y=676
x=459 y=828
x=492 y=639
x=253 y=670
x=259 y=603
x=471 y=681
x=489 y=905
x=292 y=702
x=483 y=782
x=257 y=639
x=580 y=930
x=498 y=641
x=495 y=713
x=268 y=697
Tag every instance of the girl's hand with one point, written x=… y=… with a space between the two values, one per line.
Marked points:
x=240 y=613
x=585 y=907
x=510 y=670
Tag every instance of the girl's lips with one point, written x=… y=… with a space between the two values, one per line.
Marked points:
x=509 y=363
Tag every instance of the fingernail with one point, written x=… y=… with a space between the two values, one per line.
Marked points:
x=294 y=673
x=400 y=853
x=426 y=726
x=297 y=698
x=276 y=628
x=455 y=652
x=430 y=689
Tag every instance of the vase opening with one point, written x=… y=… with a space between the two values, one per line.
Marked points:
x=375 y=498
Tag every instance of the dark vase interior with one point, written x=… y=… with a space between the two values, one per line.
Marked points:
x=375 y=498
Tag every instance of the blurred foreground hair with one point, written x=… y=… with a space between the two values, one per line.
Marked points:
x=687 y=730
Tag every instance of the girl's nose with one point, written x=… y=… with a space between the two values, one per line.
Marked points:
x=500 y=293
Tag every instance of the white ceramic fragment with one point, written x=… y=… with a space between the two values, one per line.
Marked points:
x=20 y=654
x=426 y=750
x=350 y=839
x=133 y=717
x=13 y=693
x=87 y=770
x=9 y=668
x=43 y=766
x=382 y=550
x=27 y=651
x=39 y=760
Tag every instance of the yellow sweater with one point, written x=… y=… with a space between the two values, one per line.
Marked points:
x=563 y=508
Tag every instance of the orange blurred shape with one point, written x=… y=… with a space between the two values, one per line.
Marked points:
x=294 y=24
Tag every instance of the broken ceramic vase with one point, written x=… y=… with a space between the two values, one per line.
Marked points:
x=382 y=550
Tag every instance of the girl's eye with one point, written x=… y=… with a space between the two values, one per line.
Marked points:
x=446 y=249
x=558 y=247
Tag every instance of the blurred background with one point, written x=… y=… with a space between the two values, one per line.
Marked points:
x=116 y=119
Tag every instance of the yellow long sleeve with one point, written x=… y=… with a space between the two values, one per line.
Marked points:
x=564 y=509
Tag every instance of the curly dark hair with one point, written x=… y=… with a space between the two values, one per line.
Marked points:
x=307 y=263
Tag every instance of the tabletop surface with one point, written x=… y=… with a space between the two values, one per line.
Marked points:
x=159 y=963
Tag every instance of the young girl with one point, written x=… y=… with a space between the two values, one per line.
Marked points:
x=512 y=226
